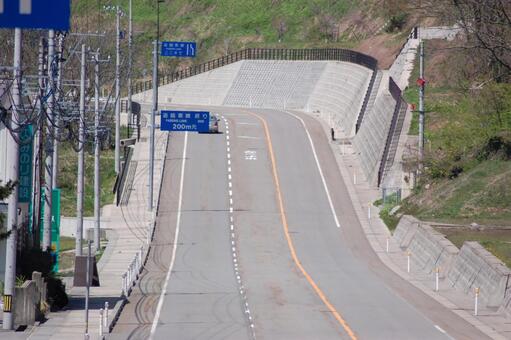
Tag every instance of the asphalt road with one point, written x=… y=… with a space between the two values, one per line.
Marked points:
x=259 y=253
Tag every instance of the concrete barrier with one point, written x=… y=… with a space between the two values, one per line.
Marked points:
x=505 y=308
x=430 y=250
x=26 y=304
x=405 y=231
x=475 y=267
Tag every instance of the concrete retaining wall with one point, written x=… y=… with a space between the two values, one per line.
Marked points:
x=466 y=269
x=475 y=267
x=27 y=305
x=405 y=231
x=430 y=249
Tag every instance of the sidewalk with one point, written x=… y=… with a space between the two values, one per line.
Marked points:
x=490 y=322
x=127 y=228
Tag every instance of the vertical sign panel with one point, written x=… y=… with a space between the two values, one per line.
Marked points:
x=25 y=165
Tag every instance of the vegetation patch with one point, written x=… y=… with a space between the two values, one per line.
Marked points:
x=496 y=241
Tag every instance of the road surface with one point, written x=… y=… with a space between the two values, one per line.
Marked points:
x=267 y=246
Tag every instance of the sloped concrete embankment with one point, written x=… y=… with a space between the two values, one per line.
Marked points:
x=465 y=269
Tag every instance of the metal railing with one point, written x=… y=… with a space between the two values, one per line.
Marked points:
x=395 y=91
x=131 y=275
x=118 y=189
x=314 y=54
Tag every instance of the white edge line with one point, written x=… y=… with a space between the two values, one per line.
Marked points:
x=176 y=236
x=319 y=168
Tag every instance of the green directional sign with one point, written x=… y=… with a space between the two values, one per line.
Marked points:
x=25 y=165
x=55 y=226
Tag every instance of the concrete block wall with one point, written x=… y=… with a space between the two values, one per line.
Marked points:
x=369 y=142
x=208 y=88
x=430 y=250
x=275 y=84
x=339 y=94
x=405 y=231
x=475 y=267
x=466 y=269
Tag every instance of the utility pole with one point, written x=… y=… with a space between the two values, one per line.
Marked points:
x=12 y=212
x=155 y=107
x=48 y=180
x=117 y=94
x=81 y=147
x=153 y=113
x=97 y=180
x=97 y=150
x=130 y=66
x=36 y=166
x=56 y=114
x=422 y=84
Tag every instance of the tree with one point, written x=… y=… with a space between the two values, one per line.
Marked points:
x=487 y=28
x=5 y=191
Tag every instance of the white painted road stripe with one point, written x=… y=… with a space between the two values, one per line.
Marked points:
x=319 y=168
x=174 y=248
x=248 y=137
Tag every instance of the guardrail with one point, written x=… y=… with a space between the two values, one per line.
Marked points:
x=118 y=189
x=314 y=54
x=394 y=129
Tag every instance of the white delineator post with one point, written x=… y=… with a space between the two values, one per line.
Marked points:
x=12 y=210
x=437 y=274
x=408 y=254
x=387 y=244
x=476 y=301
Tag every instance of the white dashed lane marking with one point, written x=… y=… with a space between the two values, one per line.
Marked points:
x=233 y=233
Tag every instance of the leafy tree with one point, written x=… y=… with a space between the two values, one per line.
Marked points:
x=5 y=191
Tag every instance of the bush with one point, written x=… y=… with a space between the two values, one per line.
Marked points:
x=57 y=297
x=37 y=260
x=396 y=22
x=497 y=147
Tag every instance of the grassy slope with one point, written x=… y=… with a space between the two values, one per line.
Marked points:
x=456 y=131
x=67 y=179
x=221 y=27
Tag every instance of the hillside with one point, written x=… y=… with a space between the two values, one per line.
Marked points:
x=221 y=27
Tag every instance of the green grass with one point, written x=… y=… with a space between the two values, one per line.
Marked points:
x=68 y=160
x=481 y=195
x=498 y=242
x=221 y=27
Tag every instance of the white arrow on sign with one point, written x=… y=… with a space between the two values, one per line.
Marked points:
x=25 y=6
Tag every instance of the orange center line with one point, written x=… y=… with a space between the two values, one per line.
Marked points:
x=290 y=244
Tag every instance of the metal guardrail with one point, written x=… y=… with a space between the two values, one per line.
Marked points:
x=314 y=54
x=121 y=177
x=396 y=93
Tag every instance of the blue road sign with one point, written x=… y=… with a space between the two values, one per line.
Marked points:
x=185 y=121
x=43 y=14
x=178 y=48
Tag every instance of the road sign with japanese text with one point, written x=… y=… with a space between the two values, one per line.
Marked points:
x=178 y=49
x=185 y=121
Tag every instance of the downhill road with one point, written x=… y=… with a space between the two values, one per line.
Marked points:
x=257 y=238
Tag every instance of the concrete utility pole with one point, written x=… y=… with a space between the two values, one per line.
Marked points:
x=151 y=136
x=117 y=93
x=130 y=65
x=81 y=161
x=56 y=115
x=422 y=84
x=97 y=150
x=12 y=212
x=36 y=166
x=48 y=176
